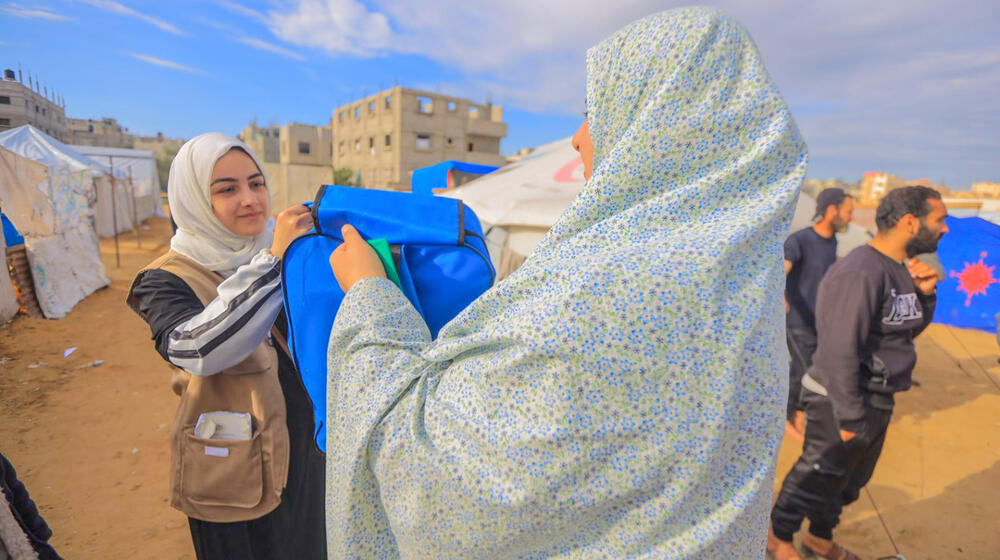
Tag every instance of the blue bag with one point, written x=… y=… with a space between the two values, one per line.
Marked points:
x=440 y=256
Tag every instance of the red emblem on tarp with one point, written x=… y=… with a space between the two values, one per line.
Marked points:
x=975 y=279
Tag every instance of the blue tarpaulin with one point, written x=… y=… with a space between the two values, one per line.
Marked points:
x=441 y=176
x=10 y=234
x=969 y=294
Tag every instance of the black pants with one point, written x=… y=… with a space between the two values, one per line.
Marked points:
x=829 y=473
x=801 y=347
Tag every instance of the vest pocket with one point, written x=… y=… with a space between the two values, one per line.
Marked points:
x=219 y=472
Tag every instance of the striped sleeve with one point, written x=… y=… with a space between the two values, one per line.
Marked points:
x=234 y=323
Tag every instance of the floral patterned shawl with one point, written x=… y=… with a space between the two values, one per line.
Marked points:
x=622 y=393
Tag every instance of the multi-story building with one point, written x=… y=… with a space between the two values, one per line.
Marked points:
x=986 y=189
x=875 y=185
x=305 y=144
x=98 y=132
x=263 y=140
x=385 y=136
x=30 y=104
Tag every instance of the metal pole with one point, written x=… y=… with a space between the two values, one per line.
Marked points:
x=135 y=211
x=114 y=212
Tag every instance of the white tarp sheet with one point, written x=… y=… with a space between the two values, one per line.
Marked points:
x=134 y=170
x=61 y=245
x=518 y=203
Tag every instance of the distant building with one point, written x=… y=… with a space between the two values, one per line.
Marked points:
x=305 y=144
x=32 y=104
x=98 y=132
x=986 y=189
x=263 y=140
x=164 y=149
x=385 y=136
x=813 y=187
x=296 y=159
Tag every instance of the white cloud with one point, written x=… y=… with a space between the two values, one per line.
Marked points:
x=119 y=8
x=336 y=26
x=32 y=12
x=269 y=47
x=243 y=10
x=163 y=63
x=910 y=83
x=239 y=36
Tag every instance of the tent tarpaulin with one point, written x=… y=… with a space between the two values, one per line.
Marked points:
x=49 y=205
x=518 y=203
x=446 y=175
x=135 y=172
x=969 y=294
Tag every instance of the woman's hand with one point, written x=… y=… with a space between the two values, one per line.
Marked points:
x=290 y=223
x=354 y=259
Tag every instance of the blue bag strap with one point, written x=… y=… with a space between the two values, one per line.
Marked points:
x=397 y=217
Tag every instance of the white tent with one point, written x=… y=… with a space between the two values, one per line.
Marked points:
x=50 y=205
x=518 y=203
x=137 y=184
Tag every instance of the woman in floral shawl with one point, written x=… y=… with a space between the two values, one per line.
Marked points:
x=622 y=393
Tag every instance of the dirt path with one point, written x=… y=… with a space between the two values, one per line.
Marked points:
x=91 y=443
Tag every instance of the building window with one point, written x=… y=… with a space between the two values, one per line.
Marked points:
x=472 y=146
x=449 y=141
x=473 y=112
x=340 y=116
x=423 y=142
x=388 y=102
x=371 y=107
x=451 y=106
x=4 y=100
x=304 y=148
x=371 y=145
x=357 y=144
x=357 y=112
x=388 y=140
x=36 y=108
x=425 y=105
x=340 y=147
x=90 y=128
x=43 y=111
x=4 y=122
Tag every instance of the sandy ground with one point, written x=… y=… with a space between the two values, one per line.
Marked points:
x=91 y=443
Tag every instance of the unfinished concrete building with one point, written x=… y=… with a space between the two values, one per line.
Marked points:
x=385 y=136
x=32 y=104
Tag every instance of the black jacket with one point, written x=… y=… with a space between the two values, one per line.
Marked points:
x=25 y=512
x=867 y=315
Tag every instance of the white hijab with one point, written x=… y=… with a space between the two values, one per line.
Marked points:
x=200 y=235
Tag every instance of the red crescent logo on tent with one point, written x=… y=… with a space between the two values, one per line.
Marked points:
x=975 y=278
x=565 y=173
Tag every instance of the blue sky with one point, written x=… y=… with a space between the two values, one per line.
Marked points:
x=909 y=87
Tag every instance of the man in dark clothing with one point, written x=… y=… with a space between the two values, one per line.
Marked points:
x=809 y=252
x=871 y=304
x=21 y=516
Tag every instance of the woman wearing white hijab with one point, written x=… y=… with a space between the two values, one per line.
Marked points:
x=243 y=466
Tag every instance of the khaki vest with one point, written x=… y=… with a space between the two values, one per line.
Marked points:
x=231 y=480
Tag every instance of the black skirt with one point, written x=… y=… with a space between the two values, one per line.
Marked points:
x=296 y=529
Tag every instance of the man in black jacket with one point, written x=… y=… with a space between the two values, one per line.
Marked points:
x=871 y=304
x=21 y=514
